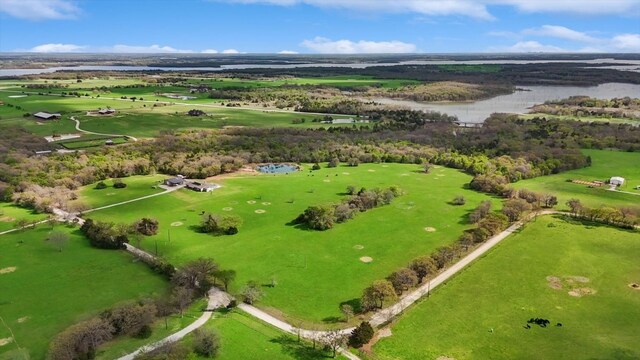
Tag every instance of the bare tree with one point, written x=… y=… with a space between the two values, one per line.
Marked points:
x=347 y=311
x=58 y=238
x=181 y=298
x=333 y=339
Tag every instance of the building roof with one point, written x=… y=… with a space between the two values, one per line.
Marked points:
x=616 y=178
x=175 y=180
x=46 y=115
x=201 y=185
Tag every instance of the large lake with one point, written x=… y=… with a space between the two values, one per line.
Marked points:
x=519 y=102
x=625 y=65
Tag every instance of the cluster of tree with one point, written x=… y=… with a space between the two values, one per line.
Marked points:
x=586 y=106
x=196 y=112
x=220 y=224
x=442 y=91
x=109 y=235
x=323 y=217
x=624 y=217
x=361 y=335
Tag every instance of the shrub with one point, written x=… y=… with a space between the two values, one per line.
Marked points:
x=205 y=343
x=101 y=185
x=118 y=184
x=459 y=200
x=361 y=335
x=316 y=166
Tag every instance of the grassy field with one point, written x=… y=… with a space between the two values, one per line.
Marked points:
x=245 y=338
x=605 y=164
x=582 y=118
x=9 y=213
x=90 y=142
x=482 y=313
x=49 y=290
x=315 y=271
x=137 y=186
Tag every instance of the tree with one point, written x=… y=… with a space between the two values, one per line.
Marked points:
x=514 y=208
x=333 y=162
x=318 y=217
x=81 y=340
x=459 y=200
x=361 y=335
x=403 y=279
x=347 y=311
x=375 y=295
x=220 y=224
x=226 y=276
x=58 y=239
x=100 y=185
x=132 y=319
x=196 y=275
x=351 y=190
x=427 y=168
x=480 y=212
x=549 y=200
x=316 y=166
x=333 y=339
x=343 y=212
x=205 y=342
x=575 y=205
x=146 y=226
x=423 y=267
x=251 y=293
x=181 y=297
x=119 y=184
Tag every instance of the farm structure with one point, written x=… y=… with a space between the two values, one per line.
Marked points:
x=47 y=116
x=616 y=180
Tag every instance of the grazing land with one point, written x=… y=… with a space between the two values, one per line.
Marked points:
x=51 y=290
x=10 y=213
x=605 y=164
x=572 y=273
x=307 y=264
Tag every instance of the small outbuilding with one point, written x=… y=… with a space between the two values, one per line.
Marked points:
x=616 y=180
x=176 y=181
x=47 y=116
x=201 y=186
x=106 y=111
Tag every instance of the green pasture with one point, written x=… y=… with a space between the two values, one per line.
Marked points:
x=315 y=271
x=50 y=290
x=10 y=213
x=482 y=313
x=137 y=186
x=605 y=164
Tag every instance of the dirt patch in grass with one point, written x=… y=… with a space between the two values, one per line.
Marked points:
x=430 y=229
x=576 y=279
x=345 y=173
x=634 y=286
x=358 y=247
x=260 y=211
x=445 y=358
x=7 y=219
x=227 y=208
x=371 y=170
x=383 y=333
x=23 y=319
x=580 y=292
x=266 y=203
x=5 y=341
x=554 y=282
x=7 y=270
x=366 y=259
x=251 y=202
x=326 y=180
x=177 y=223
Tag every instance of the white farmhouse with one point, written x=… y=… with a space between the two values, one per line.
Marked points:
x=616 y=180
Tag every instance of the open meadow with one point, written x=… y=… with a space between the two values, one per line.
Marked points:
x=43 y=290
x=10 y=213
x=315 y=271
x=137 y=186
x=605 y=164
x=576 y=275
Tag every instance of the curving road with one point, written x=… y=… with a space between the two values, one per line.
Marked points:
x=96 y=133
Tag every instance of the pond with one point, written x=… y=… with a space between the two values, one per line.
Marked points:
x=518 y=102
x=277 y=168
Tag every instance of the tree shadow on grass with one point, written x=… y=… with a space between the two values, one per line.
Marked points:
x=355 y=304
x=299 y=350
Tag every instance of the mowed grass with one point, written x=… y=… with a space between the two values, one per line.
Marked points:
x=137 y=186
x=51 y=290
x=605 y=164
x=481 y=313
x=315 y=271
x=10 y=213
x=242 y=337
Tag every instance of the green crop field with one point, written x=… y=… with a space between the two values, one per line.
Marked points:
x=605 y=164
x=43 y=291
x=570 y=273
x=9 y=213
x=315 y=271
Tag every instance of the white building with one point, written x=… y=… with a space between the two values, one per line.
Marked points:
x=616 y=180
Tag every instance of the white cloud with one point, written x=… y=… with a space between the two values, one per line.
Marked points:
x=627 y=42
x=327 y=46
x=40 y=9
x=287 y=52
x=472 y=8
x=131 y=49
x=209 y=51
x=560 y=32
x=530 y=46
x=230 y=51
x=51 y=48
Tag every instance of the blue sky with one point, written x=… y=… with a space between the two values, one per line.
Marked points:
x=320 y=26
